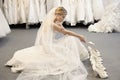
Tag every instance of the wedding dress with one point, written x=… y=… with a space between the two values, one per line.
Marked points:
x=10 y=12
x=56 y=3
x=108 y=2
x=80 y=10
x=4 y=27
x=51 y=58
x=32 y=16
x=110 y=20
x=5 y=9
x=73 y=10
x=22 y=11
x=88 y=12
x=15 y=10
x=66 y=5
x=42 y=10
x=49 y=4
x=37 y=7
x=98 y=9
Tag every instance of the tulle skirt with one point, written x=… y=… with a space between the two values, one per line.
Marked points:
x=61 y=61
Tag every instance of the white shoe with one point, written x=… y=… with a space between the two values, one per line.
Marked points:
x=100 y=72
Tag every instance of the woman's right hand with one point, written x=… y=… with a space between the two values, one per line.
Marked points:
x=82 y=38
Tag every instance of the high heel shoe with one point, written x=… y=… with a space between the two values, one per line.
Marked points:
x=99 y=72
x=96 y=62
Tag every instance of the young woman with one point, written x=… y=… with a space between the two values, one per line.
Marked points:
x=51 y=58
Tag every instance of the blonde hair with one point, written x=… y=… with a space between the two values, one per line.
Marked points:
x=61 y=11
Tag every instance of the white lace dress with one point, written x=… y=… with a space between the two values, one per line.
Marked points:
x=63 y=63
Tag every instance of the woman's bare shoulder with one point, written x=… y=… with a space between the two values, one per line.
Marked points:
x=57 y=27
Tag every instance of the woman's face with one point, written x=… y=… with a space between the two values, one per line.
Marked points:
x=60 y=17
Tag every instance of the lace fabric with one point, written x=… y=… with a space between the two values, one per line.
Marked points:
x=51 y=58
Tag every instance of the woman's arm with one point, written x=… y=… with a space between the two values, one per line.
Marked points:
x=61 y=29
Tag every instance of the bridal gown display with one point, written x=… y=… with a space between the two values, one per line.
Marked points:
x=4 y=27
x=80 y=10
x=51 y=58
x=110 y=20
x=42 y=10
x=8 y=11
x=66 y=5
x=15 y=13
x=98 y=9
x=32 y=14
x=57 y=3
x=22 y=11
x=88 y=12
x=73 y=9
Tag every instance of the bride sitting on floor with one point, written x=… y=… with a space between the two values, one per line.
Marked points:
x=51 y=58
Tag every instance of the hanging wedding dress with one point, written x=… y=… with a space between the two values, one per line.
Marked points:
x=88 y=12
x=4 y=27
x=37 y=7
x=10 y=12
x=98 y=9
x=51 y=58
x=110 y=20
x=32 y=16
x=49 y=5
x=42 y=10
x=15 y=11
x=80 y=10
x=22 y=14
x=66 y=5
x=5 y=10
x=108 y=2
x=26 y=8
x=73 y=10
x=57 y=3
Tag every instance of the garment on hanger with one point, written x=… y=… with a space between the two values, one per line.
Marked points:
x=42 y=10
x=4 y=27
x=80 y=10
x=88 y=12
x=98 y=9
x=32 y=15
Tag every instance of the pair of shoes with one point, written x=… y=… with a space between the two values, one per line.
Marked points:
x=96 y=62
